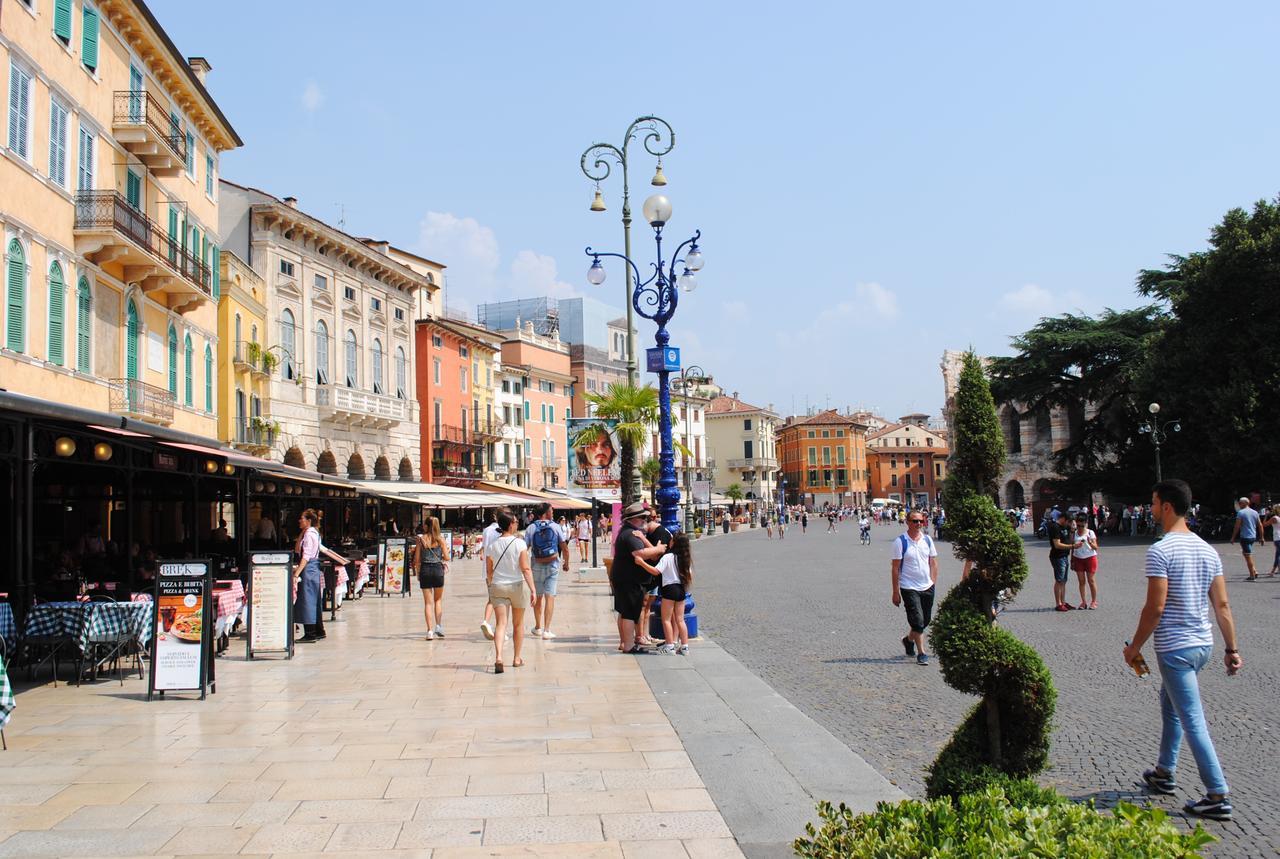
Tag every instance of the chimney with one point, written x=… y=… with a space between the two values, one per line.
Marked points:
x=735 y=395
x=291 y=202
x=200 y=66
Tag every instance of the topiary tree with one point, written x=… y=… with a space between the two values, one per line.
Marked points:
x=1006 y=736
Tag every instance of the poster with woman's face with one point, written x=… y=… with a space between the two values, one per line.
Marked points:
x=595 y=467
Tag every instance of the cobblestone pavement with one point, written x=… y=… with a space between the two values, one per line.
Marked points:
x=811 y=616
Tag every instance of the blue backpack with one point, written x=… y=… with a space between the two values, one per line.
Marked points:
x=546 y=541
x=906 y=542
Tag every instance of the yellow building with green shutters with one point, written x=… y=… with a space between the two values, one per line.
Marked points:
x=245 y=365
x=109 y=154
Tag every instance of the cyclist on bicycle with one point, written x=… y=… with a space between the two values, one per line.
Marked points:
x=864 y=527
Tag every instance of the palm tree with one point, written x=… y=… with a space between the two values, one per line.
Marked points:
x=734 y=493
x=650 y=471
x=635 y=410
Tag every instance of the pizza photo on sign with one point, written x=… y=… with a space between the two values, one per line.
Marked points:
x=187 y=628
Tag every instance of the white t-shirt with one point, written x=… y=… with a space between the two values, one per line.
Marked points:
x=913 y=575
x=584 y=529
x=1190 y=564
x=1081 y=548
x=670 y=569
x=489 y=535
x=506 y=561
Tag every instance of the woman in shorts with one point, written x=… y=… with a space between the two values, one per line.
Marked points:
x=432 y=560
x=510 y=580
x=676 y=570
x=1084 y=559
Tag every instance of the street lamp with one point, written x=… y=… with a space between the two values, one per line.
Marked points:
x=695 y=375
x=658 y=141
x=1158 y=432
x=656 y=298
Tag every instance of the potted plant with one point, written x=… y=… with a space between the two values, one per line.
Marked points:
x=269 y=361
x=254 y=352
x=734 y=493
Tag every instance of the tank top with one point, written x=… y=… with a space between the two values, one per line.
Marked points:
x=431 y=556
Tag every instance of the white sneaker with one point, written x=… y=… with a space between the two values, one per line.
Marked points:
x=683 y=650
x=439 y=631
x=487 y=630
x=430 y=635
x=667 y=648
x=536 y=632
x=548 y=634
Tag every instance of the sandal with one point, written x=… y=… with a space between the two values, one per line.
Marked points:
x=637 y=649
x=519 y=663
x=497 y=668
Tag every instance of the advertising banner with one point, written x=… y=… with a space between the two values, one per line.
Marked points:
x=595 y=459
x=182 y=646
x=270 y=600
x=394 y=552
x=702 y=492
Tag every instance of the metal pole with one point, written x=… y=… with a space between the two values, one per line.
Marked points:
x=632 y=375
x=1155 y=437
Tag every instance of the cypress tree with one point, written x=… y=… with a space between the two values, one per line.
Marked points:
x=1006 y=735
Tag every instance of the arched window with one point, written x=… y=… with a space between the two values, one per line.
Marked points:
x=288 y=341
x=84 y=325
x=189 y=359
x=15 y=298
x=132 y=332
x=322 y=353
x=402 y=373
x=173 y=361
x=57 y=315
x=377 y=366
x=208 y=378
x=353 y=360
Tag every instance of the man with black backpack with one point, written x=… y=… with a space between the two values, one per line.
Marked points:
x=548 y=552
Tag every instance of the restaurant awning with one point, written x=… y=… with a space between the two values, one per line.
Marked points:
x=559 y=502
x=437 y=495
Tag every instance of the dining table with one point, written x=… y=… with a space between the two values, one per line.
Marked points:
x=82 y=621
x=8 y=629
x=7 y=703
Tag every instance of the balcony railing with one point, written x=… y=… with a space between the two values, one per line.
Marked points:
x=137 y=109
x=442 y=468
x=453 y=435
x=352 y=406
x=754 y=462
x=256 y=433
x=136 y=398
x=107 y=210
x=487 y=430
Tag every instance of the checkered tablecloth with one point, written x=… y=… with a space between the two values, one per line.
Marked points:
x=227 y=605
x=8 y=629
x=6 y=696
x=83 y=621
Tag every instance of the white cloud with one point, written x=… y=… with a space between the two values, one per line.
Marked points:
x=312 y=97
x=881 y=301
x=533 y=273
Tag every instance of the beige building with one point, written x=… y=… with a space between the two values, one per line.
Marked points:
x=109 y=213
x=541 y=364
x=742 y=440
x=340 y=324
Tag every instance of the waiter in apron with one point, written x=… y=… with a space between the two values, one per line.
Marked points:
x=306 y=606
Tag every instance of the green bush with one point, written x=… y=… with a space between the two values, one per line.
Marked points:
x=1006 y=736
x=991 y=824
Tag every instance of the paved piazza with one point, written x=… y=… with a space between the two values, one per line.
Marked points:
x=373 y=741
x=811 y=616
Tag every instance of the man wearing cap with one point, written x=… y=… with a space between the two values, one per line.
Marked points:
x=629 y=582
x=1248 y=530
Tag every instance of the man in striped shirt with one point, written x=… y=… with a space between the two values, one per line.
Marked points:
x=1184 y=580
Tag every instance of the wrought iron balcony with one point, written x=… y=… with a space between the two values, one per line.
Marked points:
x=345 y=405
x=109 y=229
x=136 y=399
x=256 y=434
x=754 y=462
x=451 y=435
x=443 y=469
x=149 y=130
x=500 y=469
x=486 y=430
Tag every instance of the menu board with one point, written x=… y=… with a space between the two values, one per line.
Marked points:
x=381 y=565
x=270 y=604
x=396 y=548
x=182 y=646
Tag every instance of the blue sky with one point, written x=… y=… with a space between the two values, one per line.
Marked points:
x=875 y=183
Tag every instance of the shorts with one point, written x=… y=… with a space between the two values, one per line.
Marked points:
x=1246 y=546
x=544 y=578
x=514 y=594
x=1085 y=565
x=628 y=601
x=673 y=593
x=431 y=576
x=919 y=606
x=1061 y=566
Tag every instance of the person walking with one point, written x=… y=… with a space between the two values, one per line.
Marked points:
x=510 y=581
x=676 y=569
x=1060 y=545
x=1274 y=522
x=914 y=573
x=804 y=522
x=549 y=551
x=431 y=557
x=1247 y=531
x=487 y=536
x=1184 y=580
x=584 y=537
x=307 y=575
x=1084 y=559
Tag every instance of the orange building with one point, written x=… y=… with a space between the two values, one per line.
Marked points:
x=824 y=460
x=455 y=400
x=908 y=462
x=543 y=361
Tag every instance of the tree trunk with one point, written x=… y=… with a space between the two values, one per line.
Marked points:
x=628 y=474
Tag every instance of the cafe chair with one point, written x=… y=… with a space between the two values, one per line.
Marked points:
x=106 y=646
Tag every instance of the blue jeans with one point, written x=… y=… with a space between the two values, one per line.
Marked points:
x=1181 y=712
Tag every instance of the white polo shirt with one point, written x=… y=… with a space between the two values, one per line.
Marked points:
x=913 y=574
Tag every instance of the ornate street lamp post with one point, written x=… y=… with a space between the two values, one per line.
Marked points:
x=694 y=375
x=658 y=141
x=656 y=298
x=1158 y=432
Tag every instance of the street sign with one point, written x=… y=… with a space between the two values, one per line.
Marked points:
x=666 y=359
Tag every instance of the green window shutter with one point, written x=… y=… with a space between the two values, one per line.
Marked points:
x=131 y=342
x=16 y=299
x=526 y=410
x=89 y=39
x=173 y=235
x=133 y=190
x=189 y=358
x=208 y=378
x=216 y=261
x=62 y=20
x=173 y=361
x=84 y=324
x=57 y=302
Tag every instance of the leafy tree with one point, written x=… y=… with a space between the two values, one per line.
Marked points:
x=735 y=494
x=635 y=410
x=650 y=471
x=1005 y=737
